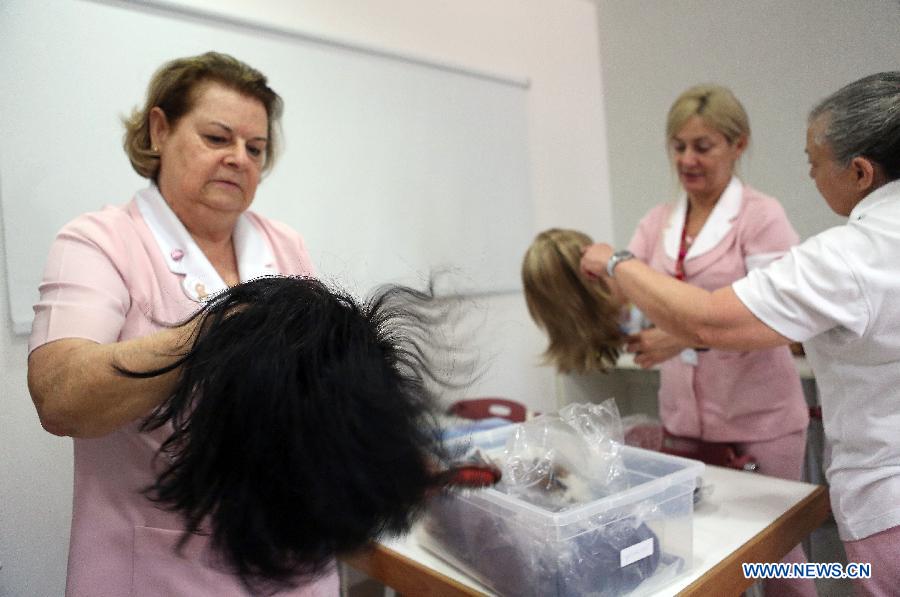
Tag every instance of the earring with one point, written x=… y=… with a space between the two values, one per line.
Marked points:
x=154 y=149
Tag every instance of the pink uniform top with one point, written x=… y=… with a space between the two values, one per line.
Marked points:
x=719 y=395
x=122 y=273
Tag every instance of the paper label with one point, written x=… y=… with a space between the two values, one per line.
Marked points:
x=636 y=552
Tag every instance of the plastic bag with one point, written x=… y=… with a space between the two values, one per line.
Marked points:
x=558 y=460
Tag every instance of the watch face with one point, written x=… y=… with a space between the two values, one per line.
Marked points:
x=617 y=257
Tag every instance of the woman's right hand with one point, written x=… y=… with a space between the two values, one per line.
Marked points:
x=652 y=347
x=594 y=259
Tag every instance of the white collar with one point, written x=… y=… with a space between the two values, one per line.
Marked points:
x=717 y=225
x=184 y=257
x=876 y=197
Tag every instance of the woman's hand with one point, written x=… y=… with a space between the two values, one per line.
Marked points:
x=594 y=259
x=653 y=346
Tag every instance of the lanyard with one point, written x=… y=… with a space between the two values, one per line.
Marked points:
x=683 y=247
x=679 y=274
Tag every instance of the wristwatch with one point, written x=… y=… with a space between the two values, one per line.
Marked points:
x=617 y=258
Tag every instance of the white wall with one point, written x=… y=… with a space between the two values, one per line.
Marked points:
x=552 y=43
x=778 y=57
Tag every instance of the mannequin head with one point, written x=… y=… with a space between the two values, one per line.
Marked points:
x=302 y=425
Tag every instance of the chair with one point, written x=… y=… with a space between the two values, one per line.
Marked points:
x=715 y=453
x=648 y=433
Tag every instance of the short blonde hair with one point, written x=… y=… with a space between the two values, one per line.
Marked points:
x=174 y=88
x=580 y=316
x=716 y=105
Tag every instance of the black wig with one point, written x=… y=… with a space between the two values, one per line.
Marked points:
x=303 y=426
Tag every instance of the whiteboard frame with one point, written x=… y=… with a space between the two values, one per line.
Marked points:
x=221 y=17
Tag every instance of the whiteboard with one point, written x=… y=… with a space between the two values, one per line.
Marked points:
x=392 y=167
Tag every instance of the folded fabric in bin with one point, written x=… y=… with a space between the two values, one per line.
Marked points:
x=596 y=565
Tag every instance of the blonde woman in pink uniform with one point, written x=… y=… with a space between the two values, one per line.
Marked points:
x=713 y=234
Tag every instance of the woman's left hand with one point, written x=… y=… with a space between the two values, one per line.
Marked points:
x=594 y=259
x=652 y=347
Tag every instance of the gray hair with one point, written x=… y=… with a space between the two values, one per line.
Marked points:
x=864 y=120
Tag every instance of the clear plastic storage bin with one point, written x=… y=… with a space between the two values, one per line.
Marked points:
x=629 y=543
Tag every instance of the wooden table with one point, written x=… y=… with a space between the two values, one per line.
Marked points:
x=747 y=518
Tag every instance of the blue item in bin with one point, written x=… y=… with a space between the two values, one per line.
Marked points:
x=470 y=427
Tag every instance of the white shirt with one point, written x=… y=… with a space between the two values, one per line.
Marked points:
x=839 y=294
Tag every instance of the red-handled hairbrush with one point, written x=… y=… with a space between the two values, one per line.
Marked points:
x=472 y=472
x=470 y=475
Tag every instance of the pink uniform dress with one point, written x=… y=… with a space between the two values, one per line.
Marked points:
x=718 y=395
x=753 y=399
x=122 y=273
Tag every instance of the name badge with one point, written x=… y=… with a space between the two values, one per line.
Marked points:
x=689 y=356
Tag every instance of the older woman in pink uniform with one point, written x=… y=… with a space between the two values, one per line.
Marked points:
x=116 y=279
x=713 y=234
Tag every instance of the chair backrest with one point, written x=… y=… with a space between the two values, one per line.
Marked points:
x=483 y=408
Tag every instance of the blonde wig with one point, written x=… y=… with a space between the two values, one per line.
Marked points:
x=580 y=316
